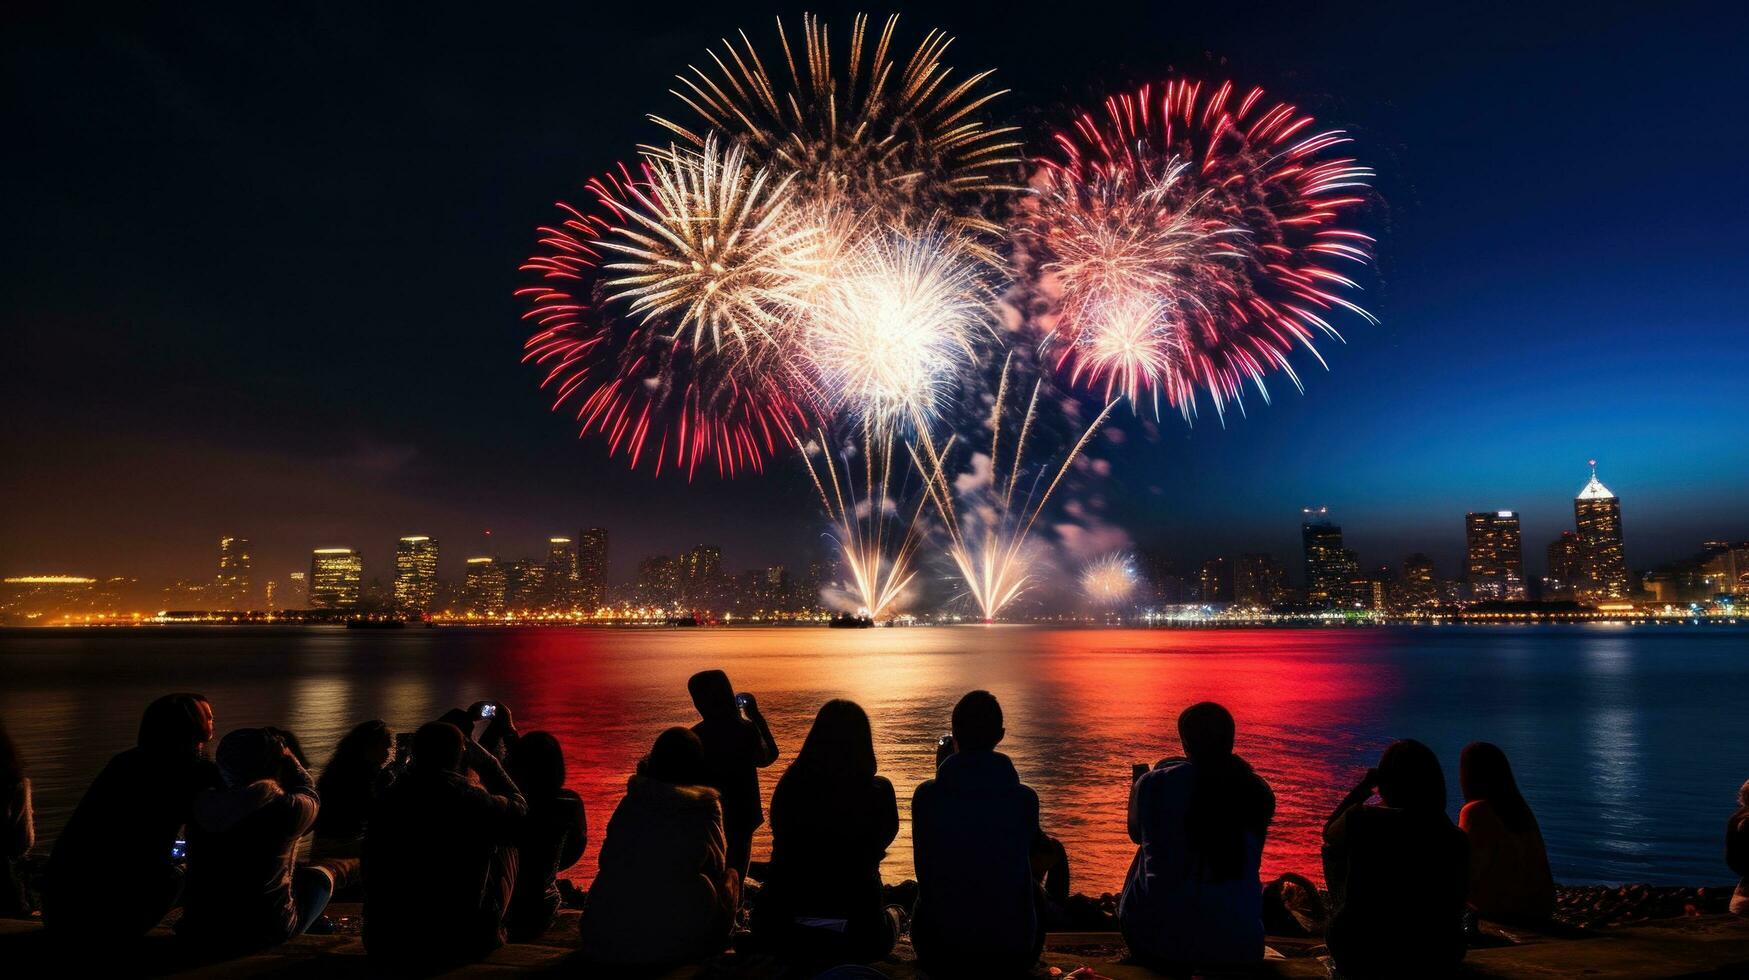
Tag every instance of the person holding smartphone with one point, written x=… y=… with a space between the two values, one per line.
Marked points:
x=1193 y=897
x=737 y=744
x=244 y=890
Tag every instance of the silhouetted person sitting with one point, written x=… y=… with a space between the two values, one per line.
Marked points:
x=112 y=873
x=1737 y=851
x=551 y=838
x=439 y=864
x=1193 y=896
x=736 y=747
x=1398 y=872
x=663 y=893
x=356 y=774
x=832 y=819
x=242 y=892
x=1510 y=879
x=17 y=826
x=972 y=829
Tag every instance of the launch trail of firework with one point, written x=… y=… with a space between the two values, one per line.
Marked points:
x=868 y=525
x=989 y=551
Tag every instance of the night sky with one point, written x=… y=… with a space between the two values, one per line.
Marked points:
x=258 y=263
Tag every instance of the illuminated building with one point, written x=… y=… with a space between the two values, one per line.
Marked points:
x=1566 y=564
x=561 y=574
x=34 y=598
x=1215 y=584
x=1416 y=588
x=592 y=568
x=483 y=586
x=1330 y=568
x=658 y=581
x=336 y=578
x=1597 y=518
x=1495 y=569
x=525 y=585
x=231 y=585
x=1727 y=566
x=297 y=590
x=700 y=570
x=271 y=597
x=415 y=573
x=1258 y=581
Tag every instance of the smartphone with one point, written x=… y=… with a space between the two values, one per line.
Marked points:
x=944 y=742
x=741 y=701
x=488 y=711
x=178 y=849
x=1138 y=770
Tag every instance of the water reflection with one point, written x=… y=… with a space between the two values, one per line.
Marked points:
x=1617 y=735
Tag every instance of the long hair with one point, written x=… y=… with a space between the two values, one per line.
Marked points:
x=677 y=758
x=11 y=764
x=1410 y=777
x=538 y=766
x=358 y=758
x=839 y=747
x=174 y=724
x=1227 y=800
x=1484 y=774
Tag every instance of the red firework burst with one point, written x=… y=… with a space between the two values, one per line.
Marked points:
x=650 y=394
x=1217 y=216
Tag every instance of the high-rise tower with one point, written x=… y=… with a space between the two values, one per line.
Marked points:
x=415 y=573
x=1597 y=518
x=1496 y=554
x=592 y=568
x=231 y=585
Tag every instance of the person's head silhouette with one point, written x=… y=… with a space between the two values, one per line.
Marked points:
x=977 y=722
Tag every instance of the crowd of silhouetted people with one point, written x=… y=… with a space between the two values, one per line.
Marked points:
x=454 y=837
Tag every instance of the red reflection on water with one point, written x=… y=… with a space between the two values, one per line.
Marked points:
x=1081 y=707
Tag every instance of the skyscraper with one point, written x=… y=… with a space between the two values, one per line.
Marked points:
x=592 y=568
x=1597 y=518
x=1328 y=576
x=483 y=587
x=561 y=574
x=525 y=585
x=1496 y=555
x=415 y=573
x=231 y=585
x=1258 y=581
x=336 y=578
x=1216 y=581
x=1566 y=565
x=659 y=579
x=700 y=570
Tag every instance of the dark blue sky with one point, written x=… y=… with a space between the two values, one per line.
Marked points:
x=258 y=266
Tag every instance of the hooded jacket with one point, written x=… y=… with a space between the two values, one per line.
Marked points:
x=242 y=846
x=662 y=894
x=972 y=829
x=123 y=829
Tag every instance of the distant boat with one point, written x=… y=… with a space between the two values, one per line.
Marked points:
x=849 y=622
x=683 y=621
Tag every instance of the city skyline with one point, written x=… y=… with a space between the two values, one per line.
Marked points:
x=1584 y=562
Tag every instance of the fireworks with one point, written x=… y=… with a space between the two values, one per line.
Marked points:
x=876 y=546
x=893 y=332
x=1109 y=581
x=649 y=385
x=988 y=545
x=1186 y=238
x=898 y=145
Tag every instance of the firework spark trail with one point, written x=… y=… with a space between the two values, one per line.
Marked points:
x=1109 y=580
x=897 y=144
x=878 y=579
x=990 y=555
x=1186 y=239
x=896 y=328
x=668 y=311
